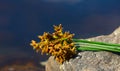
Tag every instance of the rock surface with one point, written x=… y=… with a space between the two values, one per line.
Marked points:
x=91 y=61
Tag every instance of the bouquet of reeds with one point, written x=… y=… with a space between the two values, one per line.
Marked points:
x=62 y=46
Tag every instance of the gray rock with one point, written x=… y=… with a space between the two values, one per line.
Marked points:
x=91 y=61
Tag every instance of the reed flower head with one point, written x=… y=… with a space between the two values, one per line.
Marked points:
x=62 y=46
x=58 y=44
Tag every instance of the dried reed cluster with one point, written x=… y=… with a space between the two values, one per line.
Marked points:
x=58 y=44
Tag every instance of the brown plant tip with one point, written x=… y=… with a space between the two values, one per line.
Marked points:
x=57 y=44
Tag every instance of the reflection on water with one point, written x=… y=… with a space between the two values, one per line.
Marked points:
x=21 y=64
x=14 y=59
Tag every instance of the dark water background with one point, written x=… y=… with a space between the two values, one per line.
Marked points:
x=23 y=20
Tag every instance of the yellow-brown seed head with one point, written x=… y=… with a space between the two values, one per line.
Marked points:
x=57 y=44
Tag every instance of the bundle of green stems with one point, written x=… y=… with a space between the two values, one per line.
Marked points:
x=85 y=45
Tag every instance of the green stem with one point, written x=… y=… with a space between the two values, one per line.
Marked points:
x=82 y=48
x=91 y=48
x=98 y=45
x=95 y=46
x=94 y=42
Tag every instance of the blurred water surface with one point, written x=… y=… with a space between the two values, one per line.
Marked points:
x=23 y=20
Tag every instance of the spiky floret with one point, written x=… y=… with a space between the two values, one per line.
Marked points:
x=58 y=44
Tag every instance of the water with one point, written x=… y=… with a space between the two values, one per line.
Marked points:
x=21 y=21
